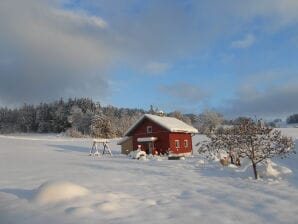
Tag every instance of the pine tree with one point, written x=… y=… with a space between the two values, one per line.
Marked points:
x=76 y=119
x=292 y=119
x=26 y=118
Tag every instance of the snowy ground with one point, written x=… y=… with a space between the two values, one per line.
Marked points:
x=77 y=188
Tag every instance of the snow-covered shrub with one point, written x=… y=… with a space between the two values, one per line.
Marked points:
x=102 y=127
x=137 y=154
x=270 y=169
x=72 y=132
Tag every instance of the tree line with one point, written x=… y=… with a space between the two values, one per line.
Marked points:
x=84 y=117
x=77 y=117
x=292 y=119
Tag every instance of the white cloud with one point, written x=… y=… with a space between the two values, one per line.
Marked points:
x=48 y=52
x=246 y=42
x=268 y=94
x=184 y=92
x=80 y=18
x=51 y=52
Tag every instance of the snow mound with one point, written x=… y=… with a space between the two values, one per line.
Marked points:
x=273 y=170
x=58 y=191
x=201 y=161
x=266 y=170
x=137 y=154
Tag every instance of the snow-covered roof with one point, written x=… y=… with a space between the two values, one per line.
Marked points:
x=169 y=123
x=122 y=140
x=101 y=140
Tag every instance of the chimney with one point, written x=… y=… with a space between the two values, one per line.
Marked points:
x=160 y=113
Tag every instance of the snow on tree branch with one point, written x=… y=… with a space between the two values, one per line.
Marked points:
x=251 y=140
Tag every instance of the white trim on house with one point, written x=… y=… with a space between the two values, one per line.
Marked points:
x=149 y=129
x=177 y=144
x=147 y=139
x=185 y=143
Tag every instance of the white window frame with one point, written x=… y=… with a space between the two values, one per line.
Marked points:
x=177 y=144
x=185 y=142
x=149 y=129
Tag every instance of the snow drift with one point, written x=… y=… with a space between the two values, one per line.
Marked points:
x=266 y=170
x=58 y=191
x=273 y=170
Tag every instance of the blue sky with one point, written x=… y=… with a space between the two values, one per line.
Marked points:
x=237 y=57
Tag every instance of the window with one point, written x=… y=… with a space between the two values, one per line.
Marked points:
x=149 y=129
x=177 y=144
x=185 y=143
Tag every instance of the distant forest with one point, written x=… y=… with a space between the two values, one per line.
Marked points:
x=76 y=117
x=84 y=117
x=292 y=119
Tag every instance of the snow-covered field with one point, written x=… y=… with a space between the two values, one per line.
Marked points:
x=51 y=179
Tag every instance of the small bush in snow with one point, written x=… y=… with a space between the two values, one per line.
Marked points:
x=74 y=133
x=137 y=154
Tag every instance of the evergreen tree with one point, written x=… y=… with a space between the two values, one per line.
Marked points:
x=26 y=118
x=292 y=119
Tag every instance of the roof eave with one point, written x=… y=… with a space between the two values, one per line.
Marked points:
x=184 y=131
x=134 y=126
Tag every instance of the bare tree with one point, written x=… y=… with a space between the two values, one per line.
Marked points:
x=249 y=139
x=223 y=140
x=180 y=117
x=209 y=121
x=259 y=143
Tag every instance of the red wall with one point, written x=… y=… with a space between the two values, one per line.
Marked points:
x=181 y=137
x=161 y=145
x=165 y=140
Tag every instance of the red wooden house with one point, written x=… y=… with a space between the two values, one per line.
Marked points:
x=159 y=135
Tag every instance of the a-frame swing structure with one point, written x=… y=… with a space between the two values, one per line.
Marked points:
x=95 y=147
